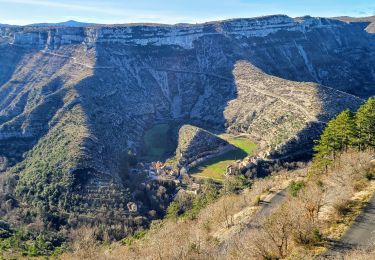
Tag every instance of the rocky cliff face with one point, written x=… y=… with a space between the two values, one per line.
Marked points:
x=158 y=35
x=73 y=101
x=314 y=45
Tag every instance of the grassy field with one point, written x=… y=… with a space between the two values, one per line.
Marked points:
x=215 y=167
x=157 y=142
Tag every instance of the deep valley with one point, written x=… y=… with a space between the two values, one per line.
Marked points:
x=104 y=125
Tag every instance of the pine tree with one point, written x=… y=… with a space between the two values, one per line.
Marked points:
x=339 y=134
x=345 y=130
x=325 y=148
x=365 y=122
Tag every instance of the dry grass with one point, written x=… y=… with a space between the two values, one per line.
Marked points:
x=222 y=230
x=347 y=192
x=203 y=238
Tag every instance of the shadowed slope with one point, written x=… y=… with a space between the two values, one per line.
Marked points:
x=276 y=111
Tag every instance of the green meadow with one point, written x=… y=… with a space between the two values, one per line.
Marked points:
x=215 y=167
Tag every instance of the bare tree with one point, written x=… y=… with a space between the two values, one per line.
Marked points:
x=279 y=229
x=311 y=198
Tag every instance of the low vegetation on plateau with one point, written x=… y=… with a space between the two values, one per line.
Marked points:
x=215 y=167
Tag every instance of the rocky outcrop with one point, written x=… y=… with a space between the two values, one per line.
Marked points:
x=195 y=143
x=371 y=28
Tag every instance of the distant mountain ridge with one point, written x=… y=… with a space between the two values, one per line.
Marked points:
x=370 y=19
x=70 y=23
x=73 y=23
x=6 y=25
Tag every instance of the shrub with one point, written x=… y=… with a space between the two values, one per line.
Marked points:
x=295 y=187
x=369 y=175
x=342 y=208
x=234 y=184
x=317 y=236
x=257 y=201
x=137 y=235
x=360 y=185
x=5 y=230
x=173 y=210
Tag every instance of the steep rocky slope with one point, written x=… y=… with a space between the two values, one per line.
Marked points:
x=282 y=114
x=74 y=101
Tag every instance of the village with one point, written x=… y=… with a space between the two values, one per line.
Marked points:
x=180 y=176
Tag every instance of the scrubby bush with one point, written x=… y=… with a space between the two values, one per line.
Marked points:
x=173 y=210
x=130 y=239
x=295 y=187
x=369 y=175
x=342 y=208
x=234 y=184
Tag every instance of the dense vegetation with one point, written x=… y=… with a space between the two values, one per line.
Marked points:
x=347 y=130
x=45 y=198
x=188 y=206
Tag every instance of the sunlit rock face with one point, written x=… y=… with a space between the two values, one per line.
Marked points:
x=81 y=97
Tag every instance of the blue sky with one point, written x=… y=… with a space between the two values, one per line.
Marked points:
x=172 y=11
